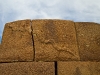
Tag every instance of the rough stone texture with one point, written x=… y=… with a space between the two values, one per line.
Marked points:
x=0 y=46
x=88 y=35
x=27 y=68
x=54 y=40
x=17 y=44
x=78 y=68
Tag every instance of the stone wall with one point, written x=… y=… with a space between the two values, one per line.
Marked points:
x=50 y=47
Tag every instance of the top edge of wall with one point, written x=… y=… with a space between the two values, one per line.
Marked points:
x=19 y=20
x=88 y=22
x=48 y=20
x=37 y=20
x=52 y=19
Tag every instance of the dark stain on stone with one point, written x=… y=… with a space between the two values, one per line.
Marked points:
x=78 y=72
x=50 y=31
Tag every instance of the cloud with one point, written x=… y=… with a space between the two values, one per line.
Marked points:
x=22 y=9
x=76 y=10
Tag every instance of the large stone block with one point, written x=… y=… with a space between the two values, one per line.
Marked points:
x=78 y=68
x=88 y=35
x=54 y=40
x=27 y=68
x=17 y=44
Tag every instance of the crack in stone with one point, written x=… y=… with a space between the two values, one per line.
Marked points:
x=32 y=41
x=59 y=49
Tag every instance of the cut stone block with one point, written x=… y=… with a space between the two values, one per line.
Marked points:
x=78 y=68
x=17 y=44
x=54 y=40
x=27 y=68
x=88 y=35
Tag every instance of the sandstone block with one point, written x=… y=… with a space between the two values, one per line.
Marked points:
x=27 y=68
x=78 y=68
x=88 y=35
x=54 y=40
x=17 y=44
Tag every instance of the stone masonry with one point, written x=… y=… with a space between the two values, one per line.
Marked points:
x=50 y=47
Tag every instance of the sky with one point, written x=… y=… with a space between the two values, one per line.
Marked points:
x=76 y=10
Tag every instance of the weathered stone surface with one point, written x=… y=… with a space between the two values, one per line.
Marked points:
x=54 y=40
x=88 y=35
x=0 y=46
x=78 y=68
x=27 y=68
x=17 y=44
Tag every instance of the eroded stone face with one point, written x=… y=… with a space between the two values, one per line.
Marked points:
x=27 y=68
x=54 y=40
x=17 y=44
x=88 y=35
x=0 y=46
x=78 y=68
